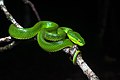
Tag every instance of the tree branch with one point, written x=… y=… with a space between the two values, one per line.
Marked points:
x=82 y=64
x=8 y=15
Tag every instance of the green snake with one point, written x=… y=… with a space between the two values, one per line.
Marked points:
x=50 y=36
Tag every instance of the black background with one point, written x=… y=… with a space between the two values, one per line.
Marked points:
x=96 y=21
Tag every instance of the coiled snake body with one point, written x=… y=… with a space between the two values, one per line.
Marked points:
x=50 y=36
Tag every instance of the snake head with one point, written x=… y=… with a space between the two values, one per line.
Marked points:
x=76 y=38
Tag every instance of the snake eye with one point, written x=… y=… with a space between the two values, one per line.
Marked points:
x=78 y=40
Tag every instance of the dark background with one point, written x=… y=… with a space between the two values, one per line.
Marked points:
x=96 y=21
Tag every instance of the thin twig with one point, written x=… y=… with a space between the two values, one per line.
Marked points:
x=5 y=39
x=8 y=46
x=33 y=8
